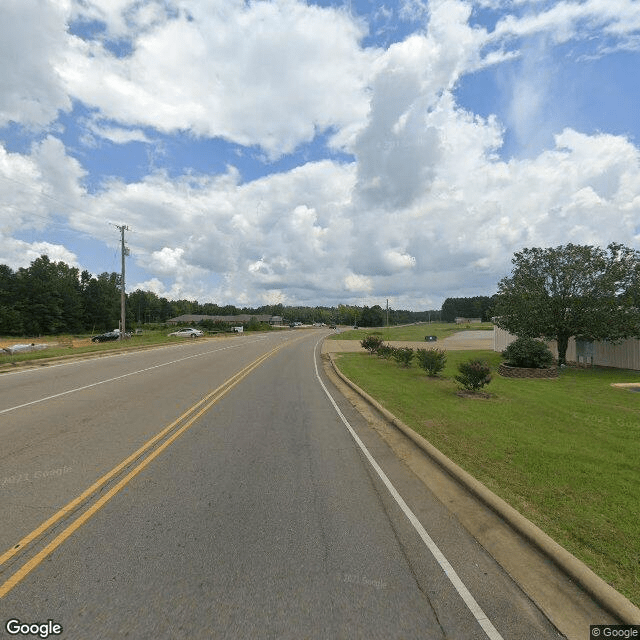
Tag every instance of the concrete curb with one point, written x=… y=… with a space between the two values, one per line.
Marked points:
x=607 y=597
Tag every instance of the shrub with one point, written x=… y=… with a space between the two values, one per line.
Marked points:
x=371 y=343
x=474 y=374
x=403 y=355
x=431 y=360
x=385 y=351
x=528 y=352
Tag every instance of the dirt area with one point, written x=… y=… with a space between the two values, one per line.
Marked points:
x=63 y=341
x=462 y=341
x=81 y=342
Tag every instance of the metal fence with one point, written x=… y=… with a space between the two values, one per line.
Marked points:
x=625 y=355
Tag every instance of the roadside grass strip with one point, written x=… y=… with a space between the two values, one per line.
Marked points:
x=62 y=346
x=565 y=453
x=88 y=502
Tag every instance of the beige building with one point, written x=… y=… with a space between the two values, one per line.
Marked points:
x=625 y=355
x=191 y=319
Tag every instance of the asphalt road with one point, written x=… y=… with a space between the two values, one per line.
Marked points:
x=265 y=509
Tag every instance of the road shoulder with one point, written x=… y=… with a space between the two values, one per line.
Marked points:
x=560 y=598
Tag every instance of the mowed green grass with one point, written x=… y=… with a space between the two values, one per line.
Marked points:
x=412 y=332
x=148 y=338
x=565 y=452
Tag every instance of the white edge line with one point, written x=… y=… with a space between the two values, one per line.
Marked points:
x=126 y=375
x=449 y=571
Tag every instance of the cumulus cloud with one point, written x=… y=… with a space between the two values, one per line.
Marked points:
x=297 y=236
x=38 y=186
x=423 y=208
x=564 y=21
x=32 y=51
x=97 y=129
x=281 y=234
x=271 y=74
x=19 y=253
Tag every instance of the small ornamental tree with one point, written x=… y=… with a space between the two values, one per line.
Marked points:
x=371 y=343
x=529 y=353
x=474 y=374
x=431 y=360
x=403 y=355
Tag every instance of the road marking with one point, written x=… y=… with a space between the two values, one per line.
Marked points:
x=192 y=414
x=80 y=358
x=450 y=572
x=83 y=358
x=125 y=375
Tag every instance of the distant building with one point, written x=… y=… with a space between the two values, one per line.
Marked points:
x=624 y=355
x=189 y=318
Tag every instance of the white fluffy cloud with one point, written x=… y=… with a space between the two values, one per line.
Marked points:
x=271 y=74
x=563 y=20
x=38 y=186
x=426 y=208
x=19 y=253
x=32 y=46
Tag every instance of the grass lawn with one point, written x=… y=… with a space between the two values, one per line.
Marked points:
x=565 y=452
x=76 y=345
x=412 y=332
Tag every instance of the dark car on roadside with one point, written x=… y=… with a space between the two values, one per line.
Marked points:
x=106 y=337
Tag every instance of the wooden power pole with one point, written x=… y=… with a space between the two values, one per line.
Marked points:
x=125 y=252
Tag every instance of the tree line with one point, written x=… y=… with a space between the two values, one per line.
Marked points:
x=51 y=298
x=475 y=307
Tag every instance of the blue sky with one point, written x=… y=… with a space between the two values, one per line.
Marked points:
x=316 y=152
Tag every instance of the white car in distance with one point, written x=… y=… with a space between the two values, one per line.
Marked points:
x=187 y=333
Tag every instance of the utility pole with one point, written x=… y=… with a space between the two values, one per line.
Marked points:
x=125 y=252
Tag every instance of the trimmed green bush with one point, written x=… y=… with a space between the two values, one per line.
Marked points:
x=385 y=351
x=403 y=355
x=529 y=353
x=433 y=361
x=474 y=374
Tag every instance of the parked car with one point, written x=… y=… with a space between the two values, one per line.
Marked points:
x=108 y=336
x=189 y=332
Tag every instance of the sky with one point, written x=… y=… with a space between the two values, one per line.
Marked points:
x=316 y=153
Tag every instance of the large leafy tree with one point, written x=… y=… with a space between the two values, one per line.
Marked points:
x=10 y=318
x=569 y=291
x=48 y=297
x=101 y=298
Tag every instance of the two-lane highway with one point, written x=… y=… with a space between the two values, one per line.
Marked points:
x=223 y=489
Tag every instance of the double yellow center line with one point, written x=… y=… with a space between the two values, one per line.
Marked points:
x=153 y=448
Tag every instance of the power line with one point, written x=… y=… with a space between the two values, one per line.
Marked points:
x=44 y=195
